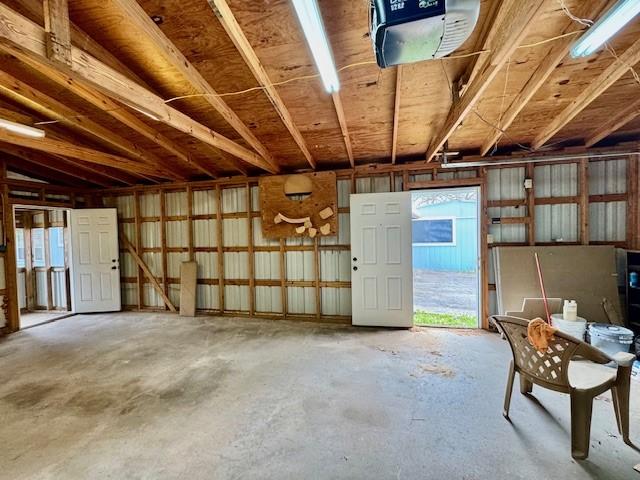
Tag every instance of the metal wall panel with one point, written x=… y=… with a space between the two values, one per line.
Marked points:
x=177 y=233
x=207 y=264
x=236 y=265
x=608 y=222
x=150 y=234
x=335 y=266
x=235 y=232
x=505 y=183
x=268 y=300
x=175 y=204
x=299 y=266
x=129 y=294
x=125 y=206
x=205 y=202
x=301 y=300
x=336 y=301
x=149 y=205
x=207 y=297
x=508 y=233
x=557 y=180
x=41 y=288
x=236 y=297
x=608 y=176
x=234 y=200
x=204 y=233
x=378 y=184
x=22 y=291
x=267 y=265
x=174 y=259
x=557 y=223
x=59 y=289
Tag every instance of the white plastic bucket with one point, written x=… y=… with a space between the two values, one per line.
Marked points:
x=575 y=328
x=611 y=339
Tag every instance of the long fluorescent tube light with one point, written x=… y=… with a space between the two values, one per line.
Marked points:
x=555 y=158
x=311 y=20
x=20 y=129
x=605 y=28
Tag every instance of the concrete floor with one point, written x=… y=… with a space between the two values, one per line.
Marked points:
x=31 y=319
x=155 y=396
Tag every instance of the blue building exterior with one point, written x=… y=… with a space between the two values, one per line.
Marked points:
x=456 y=217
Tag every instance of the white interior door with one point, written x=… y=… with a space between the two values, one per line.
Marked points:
x=381 y=269
x=95 y=271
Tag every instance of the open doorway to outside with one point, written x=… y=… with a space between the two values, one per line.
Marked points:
x=42 y=261
x=446 y=246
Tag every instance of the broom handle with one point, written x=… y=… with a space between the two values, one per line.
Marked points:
x=544 y=293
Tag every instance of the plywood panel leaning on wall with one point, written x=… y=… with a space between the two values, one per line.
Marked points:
x=299 y=205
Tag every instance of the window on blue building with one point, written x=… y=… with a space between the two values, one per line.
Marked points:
x=434 y=231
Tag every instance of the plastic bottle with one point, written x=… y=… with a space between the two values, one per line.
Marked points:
x=570 y=310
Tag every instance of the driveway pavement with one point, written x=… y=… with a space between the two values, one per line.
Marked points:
x=445 y=292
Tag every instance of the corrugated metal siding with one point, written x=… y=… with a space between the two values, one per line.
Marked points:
x=608 y=177
x=608 y=222
x=58 y=289
x=505 y=183
x=559 y=180
x=557 y=223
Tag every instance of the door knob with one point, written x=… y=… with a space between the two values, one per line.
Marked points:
x=355 y=269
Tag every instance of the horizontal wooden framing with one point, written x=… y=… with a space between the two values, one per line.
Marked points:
x=392 y=172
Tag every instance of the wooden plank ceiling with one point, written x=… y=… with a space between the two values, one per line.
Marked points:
x=125 y=59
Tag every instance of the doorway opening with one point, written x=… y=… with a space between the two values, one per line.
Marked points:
x=446 y=257
x=42 y=265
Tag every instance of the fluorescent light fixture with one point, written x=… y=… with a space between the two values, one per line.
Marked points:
x=523 y=160
x=311 y=20
x=20 y=129
x=605 y=28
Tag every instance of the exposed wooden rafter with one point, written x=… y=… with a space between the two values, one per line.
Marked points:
x=25 y=40
x=136 y=14
x=552 y=59
x=614 y=124
x=66 y=149
x=620 y=65
x=54 y=164
x=233 y=29
x=396 y=115
x=337 y=103
x=513 y=21
x=55 y=110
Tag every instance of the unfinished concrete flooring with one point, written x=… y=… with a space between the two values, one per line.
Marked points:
x=150 y=396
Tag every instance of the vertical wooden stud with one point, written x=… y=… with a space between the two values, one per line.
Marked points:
x=47 y=258
x=316 y=276
x=163 y=241
x=250 y=254
x=531 y=206
x=583 y=192
x=484 y=251
x=11 y=279
x=190 y=222
x=220 y=249
x=632 y=202
x=29 y=280
x=283 y=279
x=138 y=243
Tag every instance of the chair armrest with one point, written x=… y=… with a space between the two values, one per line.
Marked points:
x=624 y=359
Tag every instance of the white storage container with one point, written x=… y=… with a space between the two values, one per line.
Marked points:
x=576 y=328
x=611 y=339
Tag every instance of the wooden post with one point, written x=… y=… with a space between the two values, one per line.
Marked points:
x=13 y=314
x=220 y=249
x=163 y=240
x=47 y=258
x=283 y=278
x=29 y=281
x=583 y=191
x=250 y=254
x=316 y=276
x=531 y=205
x=632 y=203
x=484 y=252
x=190 y=222
x=138 y=246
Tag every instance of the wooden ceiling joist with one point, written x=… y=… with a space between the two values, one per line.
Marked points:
x=513 y=20
x=136 y=14
x=614 y=124
x=55 y=164
x=396 y=115
x=41 y=172
x=555 y=55
x=47 y=106
x=620 y=65
x=66 y=149
x=342 y=120
x=239 y=39
x=106 y=172
x=25 y=40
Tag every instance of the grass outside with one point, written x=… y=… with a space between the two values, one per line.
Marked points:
x=421 y=317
